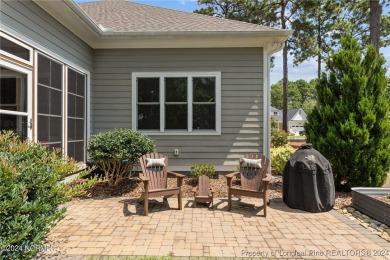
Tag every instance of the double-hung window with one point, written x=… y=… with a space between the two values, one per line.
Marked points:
x=177 y=103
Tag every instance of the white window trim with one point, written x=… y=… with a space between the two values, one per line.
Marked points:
x=28 y=72
x=30 y=62
x=188 y=75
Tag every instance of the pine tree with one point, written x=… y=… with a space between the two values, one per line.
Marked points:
x=316 y=22
x=351 y=126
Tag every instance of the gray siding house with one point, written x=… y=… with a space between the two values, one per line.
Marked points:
x=196 y=84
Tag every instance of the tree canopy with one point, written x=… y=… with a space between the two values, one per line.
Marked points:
x=301 y=94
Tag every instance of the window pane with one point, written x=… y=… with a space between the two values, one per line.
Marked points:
x=148 y=89
x=13 y=90
x=79 y=128
x=72 y=81
x=17 y=124
x=56 y=75
x=75 y=129
x=44 y=129
x=55 y=102
x=50 y=129
x=79 y=107
x=204 y=117
x=49 y=101
x=76 y=150
x=55 y=129
x=14 y=49
x=43 y=70
x=80 y=84
x=176 y=117
x=71 y=105
x=71 y=129
x=43 y=100
x=204 y=89
x=176 y=89
x=148 y=117
x=79 y=151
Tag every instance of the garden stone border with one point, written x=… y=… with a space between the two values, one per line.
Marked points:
x=373 y=225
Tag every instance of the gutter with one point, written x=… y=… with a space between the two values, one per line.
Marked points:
x=83 y=16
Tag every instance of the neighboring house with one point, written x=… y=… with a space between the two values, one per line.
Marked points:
x=296 y=119
x=195 y=83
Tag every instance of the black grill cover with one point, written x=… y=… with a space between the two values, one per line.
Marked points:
x=308 y=181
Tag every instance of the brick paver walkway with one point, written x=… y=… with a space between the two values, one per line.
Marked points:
x=116 y=227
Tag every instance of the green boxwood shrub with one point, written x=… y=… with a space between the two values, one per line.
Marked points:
x=278 y=137
x=30 y=195
x=116 y=151
x=279 y=157
x=202 y=169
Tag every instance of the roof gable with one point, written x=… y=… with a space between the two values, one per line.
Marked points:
x=126 y=16
x=294 y=112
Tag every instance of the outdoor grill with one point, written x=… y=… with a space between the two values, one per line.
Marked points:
x=308 y=181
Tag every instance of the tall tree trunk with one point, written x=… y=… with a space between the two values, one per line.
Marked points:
x=375 y=17
x=319 y=43
x=285 y=71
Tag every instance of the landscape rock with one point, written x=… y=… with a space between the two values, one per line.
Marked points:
x=373 y=225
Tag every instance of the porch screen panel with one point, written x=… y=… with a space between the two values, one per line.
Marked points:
x=76 y=115
x=49 y=99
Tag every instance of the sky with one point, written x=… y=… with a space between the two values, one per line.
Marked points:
x=306 y=70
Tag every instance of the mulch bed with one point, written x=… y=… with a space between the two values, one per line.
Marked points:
x=132 y=187
x=385 y=198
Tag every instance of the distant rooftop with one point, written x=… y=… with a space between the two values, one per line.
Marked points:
x=126 y=16
x=278 y=113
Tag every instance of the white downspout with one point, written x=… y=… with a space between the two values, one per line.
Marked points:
x=266 y=104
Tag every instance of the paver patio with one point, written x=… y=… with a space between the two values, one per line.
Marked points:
x=116 y=227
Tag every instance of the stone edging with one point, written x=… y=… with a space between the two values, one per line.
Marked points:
x=373 y=225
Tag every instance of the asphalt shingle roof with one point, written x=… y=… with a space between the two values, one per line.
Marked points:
x=126 y=16
x=290 y=113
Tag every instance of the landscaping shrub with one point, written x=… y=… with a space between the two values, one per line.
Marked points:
x=351 y=127
x=79 y=185
x=274 y=123
x=278 y=137
x=30 y=195
x=202 y=169
x=116 y=151
x=279 y=157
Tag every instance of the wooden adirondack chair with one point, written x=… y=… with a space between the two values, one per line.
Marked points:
x=254 y=181
x=154 y=178
x=203 y=192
